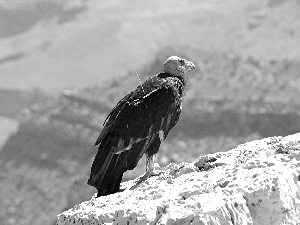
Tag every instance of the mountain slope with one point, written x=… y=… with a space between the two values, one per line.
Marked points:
x=108 y=39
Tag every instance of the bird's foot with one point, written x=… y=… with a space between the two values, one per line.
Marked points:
x=143 y=178
x=153 y=173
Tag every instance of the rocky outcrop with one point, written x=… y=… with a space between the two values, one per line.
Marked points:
x=255 y=183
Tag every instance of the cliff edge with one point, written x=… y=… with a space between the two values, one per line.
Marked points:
x=256 y=183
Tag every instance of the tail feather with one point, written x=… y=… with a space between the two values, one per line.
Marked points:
x=101 y=163
x=108 y=167
x=112 y=178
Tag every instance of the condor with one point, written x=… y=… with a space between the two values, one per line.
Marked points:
x=137 y=125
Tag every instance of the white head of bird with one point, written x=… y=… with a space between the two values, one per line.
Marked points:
x=177 y=66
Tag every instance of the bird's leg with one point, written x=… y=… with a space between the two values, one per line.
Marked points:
x=149 y=171
x=150 y=167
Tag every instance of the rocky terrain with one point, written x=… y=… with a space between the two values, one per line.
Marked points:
x=256 y=183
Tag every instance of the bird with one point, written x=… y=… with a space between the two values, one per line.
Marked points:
x=137 y=125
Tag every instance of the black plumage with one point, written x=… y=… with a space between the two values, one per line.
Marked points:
x=137 y=125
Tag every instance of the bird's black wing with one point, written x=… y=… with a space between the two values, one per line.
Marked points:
x=130 y=128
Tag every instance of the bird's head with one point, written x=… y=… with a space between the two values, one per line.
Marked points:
x=177 y=66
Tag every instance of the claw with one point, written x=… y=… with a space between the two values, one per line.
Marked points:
x=149 y=172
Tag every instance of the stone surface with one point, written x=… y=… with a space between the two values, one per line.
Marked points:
x=256 y=183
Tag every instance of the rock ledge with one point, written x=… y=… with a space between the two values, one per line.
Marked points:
x=255 y=183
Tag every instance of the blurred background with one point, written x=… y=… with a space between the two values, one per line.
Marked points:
x=64 y=64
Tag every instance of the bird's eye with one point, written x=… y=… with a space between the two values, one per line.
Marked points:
x=182 y=62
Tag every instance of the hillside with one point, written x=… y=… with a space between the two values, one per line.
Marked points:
x=8 y=127
x=98 y=41
x=225 y=95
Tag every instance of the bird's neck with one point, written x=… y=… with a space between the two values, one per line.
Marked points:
x=181 y=78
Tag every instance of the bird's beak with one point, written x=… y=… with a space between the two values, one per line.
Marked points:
x=189 y=66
